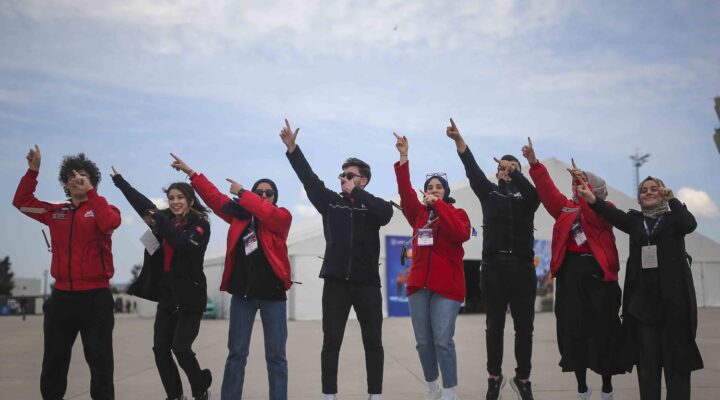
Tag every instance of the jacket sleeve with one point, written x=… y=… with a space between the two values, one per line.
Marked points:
x=211 y=196
x=320 y=196
x=548 y=193
x=409 y=202
x=137 y=200
x=276 y=219
x=527 y=190
x=194 y=236
x=617 y=218
x=453 y=221
x=593 y=218
x=378 y=208
x=25 y=200
x=479 y=183
x=107 y=217
x=686 y=222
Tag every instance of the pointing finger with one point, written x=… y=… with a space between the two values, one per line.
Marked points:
x=529 y=142
x=496 y=160
x=231 y=181
x=572 y=160
x=452 y=123
x=287 y=125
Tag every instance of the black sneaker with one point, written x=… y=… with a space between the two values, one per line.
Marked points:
x=523 y=390
x=207 y=380
x=495 y=387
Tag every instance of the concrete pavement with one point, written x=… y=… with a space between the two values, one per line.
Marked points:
x=137 y=378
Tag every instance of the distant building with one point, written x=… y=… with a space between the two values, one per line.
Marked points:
x=27 y=287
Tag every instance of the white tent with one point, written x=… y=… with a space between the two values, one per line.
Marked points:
x=306 y=245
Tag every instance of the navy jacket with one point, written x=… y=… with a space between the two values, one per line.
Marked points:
x=351 y=225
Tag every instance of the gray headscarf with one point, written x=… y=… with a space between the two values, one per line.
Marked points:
x=597 y=184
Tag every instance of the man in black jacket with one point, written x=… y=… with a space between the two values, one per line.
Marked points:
x=351 y=225
x=508 y=272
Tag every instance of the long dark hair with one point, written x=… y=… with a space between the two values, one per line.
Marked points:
x=196 y=208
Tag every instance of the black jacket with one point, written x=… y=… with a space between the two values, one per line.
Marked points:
x=351 y=225
x=189 y=242
x=508 y=210
x=674 y=288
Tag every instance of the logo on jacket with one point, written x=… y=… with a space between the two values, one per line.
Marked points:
x=89 y=214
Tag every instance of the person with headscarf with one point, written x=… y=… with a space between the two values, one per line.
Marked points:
x=507 y=275
x=659 y=304
x=585 y=266
x=256 y=274
x=436 y=281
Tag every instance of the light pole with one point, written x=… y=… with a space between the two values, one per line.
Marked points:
x=638 y=161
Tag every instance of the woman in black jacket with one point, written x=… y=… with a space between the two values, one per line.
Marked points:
x=659 y=305
x=172 y=275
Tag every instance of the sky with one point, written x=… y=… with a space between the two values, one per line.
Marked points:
x=129 y=82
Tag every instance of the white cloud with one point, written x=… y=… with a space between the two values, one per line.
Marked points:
x=305 y=211
x=699 y=203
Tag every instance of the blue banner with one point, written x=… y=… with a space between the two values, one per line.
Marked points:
x=396 y=276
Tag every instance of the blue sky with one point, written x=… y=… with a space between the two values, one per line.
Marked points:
x=128 y=82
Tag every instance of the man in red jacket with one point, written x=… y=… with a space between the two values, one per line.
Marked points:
x=82 y=265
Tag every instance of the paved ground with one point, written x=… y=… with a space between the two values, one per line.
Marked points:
x=136 y=377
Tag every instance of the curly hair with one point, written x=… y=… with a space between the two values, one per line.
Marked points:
x=78 y=162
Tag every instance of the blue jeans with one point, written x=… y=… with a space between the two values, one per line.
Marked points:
x=274 y=320
x=433 y=319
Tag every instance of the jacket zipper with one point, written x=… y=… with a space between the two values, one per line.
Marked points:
x=427 y=275
x=352 y=230
x=72 y=223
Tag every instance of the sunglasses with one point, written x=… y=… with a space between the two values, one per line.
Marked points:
x=436 y=174
x=349 y=175
x=267 y=192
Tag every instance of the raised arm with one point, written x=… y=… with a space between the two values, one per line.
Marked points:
x=479 y=183
x=409 y=202
x=137 y=200
x=551 y=198
x=24 y=199
x=685 y=221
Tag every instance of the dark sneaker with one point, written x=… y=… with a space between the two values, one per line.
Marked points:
x=523 y=390
x=495 y=387
x=207 y=381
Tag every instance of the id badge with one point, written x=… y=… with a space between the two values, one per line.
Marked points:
x=649 y=257
x=580 y=237
x=150 y=242
x=425 y=237
x=250 y=241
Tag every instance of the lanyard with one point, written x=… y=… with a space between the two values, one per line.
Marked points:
x=650 y=232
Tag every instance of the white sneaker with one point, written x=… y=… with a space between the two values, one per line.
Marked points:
x=607 y=396
x=329 y=397
x=586 y=395
x=433 y=394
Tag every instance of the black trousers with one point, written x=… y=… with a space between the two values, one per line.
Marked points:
x=653 y=347
x=587 y=316
x=338 y=297
x=509 y=280
x=89 y=313
x=175 y=332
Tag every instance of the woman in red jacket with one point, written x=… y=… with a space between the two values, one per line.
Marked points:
x=436 y=281
x=257 y=274
x=585 y=265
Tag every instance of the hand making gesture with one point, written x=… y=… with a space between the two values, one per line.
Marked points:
x=288 y=136
x=402 y=147
x=180 y=165
x=33 y=159
x=235 y=187
x=529 y=153
x=453 y=133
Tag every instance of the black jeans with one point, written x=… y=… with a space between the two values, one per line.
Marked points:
x=338 y=297
x=90 y=313
x=653 y=347
x=175 y=332
x=509 y=280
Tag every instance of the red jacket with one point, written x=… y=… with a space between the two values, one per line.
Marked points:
x=438 y=267
x=272 y=230
x=81 y=236
x=598 y=231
